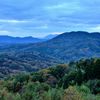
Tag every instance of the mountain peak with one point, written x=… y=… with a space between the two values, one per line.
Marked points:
x=50 y=36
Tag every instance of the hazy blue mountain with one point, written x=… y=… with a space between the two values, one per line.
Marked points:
x=69 y=46
x=50 y=36
x=9 y=39
x=66 y=47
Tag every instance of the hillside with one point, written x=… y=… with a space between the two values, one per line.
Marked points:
x=12 y=40
x=69 y=46
x=74 y=81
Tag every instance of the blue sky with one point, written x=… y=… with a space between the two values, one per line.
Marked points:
x=42 y=17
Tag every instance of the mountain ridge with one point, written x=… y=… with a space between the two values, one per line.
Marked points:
x=27 y=39
x=59 y=50
x=12 y=40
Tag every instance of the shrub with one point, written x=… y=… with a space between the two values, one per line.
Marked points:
x=72 y=94
x=94 y=86
x=37 y=77
x=59 y=71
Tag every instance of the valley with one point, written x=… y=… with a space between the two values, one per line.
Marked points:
x=29 y=57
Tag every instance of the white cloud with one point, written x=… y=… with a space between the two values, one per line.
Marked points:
x=5 y=32
x=12 y=21
x=45 y=26
x=66 y=6
x=56 y=32
x=95 y=29
x=59 y=6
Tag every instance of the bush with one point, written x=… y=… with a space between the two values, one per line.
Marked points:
x=37 y=77
x=72 y=94
x=84 y=89
x=59 y=71
x=68 y=79
x=94 y=86
x=54 y=94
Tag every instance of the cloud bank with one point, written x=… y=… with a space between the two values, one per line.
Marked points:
x=43 y=17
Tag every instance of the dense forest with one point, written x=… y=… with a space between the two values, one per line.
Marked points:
x=79 y=80
x=30 y=57
x=49 y=50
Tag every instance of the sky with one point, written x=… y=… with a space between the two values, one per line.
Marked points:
x=39 y=18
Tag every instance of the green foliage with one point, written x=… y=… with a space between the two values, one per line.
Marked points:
x=37 y=77
x=33 y=90
x=22 y=78
x=72 y=94
x=13 y=86
x=56 y=83
x=94 y=86
x=86 y=93
x=90 y=68
x=68 y=79
x=59 y=71
x=84 y=89
x=53 y=94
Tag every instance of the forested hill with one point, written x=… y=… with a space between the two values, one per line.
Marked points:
x=69 y=46
x=74 y=81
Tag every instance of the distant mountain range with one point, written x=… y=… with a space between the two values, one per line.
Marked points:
x=30 y=39
x=10 y=39
x=51 y=36
x=69 y=46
